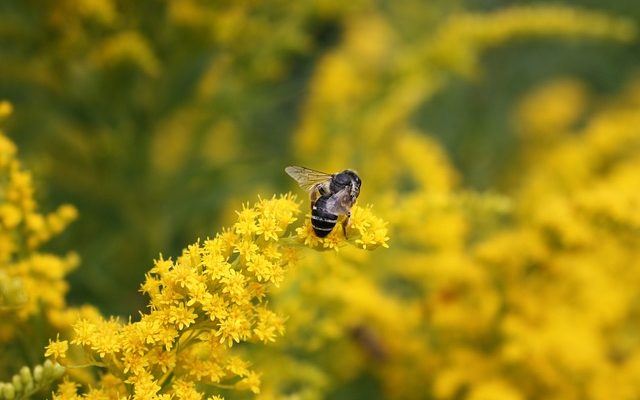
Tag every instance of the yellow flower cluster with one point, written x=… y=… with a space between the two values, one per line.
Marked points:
x=532 y=294
x=569 y=269
x=454 y=307
x=551 y=110
x=211 y=298
x=31 y=282
x=459 y=41
x=549 y=291
x=364 y=230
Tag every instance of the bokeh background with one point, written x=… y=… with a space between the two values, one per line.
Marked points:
x=500 y=139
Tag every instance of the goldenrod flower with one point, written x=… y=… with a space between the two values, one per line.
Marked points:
x=57 y=349
x=364 y=230
x=205 y=302
x=66 y=390
x=543 y=303
x=30 y=281
x=251 y=382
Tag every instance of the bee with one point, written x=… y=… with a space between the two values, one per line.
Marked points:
x=331 y=195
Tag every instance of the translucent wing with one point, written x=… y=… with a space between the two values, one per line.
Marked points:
x=308 y=179
x=340 y=202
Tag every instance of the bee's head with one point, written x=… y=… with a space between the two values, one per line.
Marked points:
x=344 y=179
x=354 y=177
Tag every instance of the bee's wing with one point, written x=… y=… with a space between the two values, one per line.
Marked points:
x=340 y=202
x=308 y=179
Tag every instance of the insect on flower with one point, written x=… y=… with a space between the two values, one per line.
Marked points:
x=331 y=195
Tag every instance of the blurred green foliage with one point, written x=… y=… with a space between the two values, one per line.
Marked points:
x=154 y=118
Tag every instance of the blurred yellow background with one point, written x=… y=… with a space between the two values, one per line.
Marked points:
x=499 y=139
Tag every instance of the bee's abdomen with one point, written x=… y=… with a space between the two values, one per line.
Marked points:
x=322 y=221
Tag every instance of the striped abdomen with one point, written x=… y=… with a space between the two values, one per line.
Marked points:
x=322 y=221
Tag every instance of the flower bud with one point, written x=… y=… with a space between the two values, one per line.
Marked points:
x=37 y=373
x=47 y=372
x=25 y=375
x=8 y=391
x=17 y=383
x=58 y=370
x=27 y=379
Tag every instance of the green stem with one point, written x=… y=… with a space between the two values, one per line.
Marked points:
x=87 y=365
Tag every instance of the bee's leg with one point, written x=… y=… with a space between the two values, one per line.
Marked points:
x=313 y=196
x=345 y=224
x=322 y=190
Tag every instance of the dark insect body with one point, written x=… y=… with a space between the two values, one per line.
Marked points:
x=331 y=195
x=322 y=220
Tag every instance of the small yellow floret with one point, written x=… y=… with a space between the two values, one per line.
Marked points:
x=57 y=349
